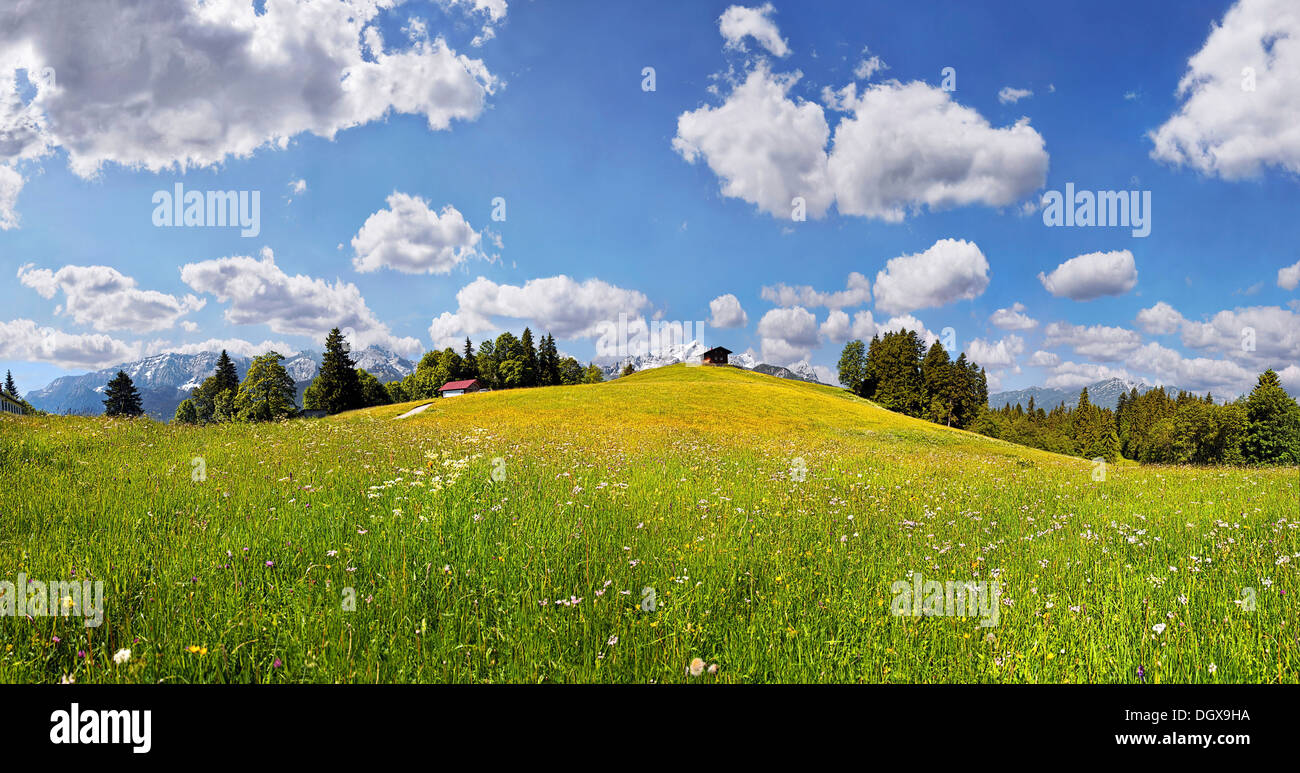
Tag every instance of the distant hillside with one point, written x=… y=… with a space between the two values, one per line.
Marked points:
x=1102 y=393
x=164 y=380
x=692 y=352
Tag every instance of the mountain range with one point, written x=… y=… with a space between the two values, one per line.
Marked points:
x=164 y=380
x=1102 y=393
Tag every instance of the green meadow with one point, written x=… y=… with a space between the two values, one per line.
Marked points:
x=616 y=532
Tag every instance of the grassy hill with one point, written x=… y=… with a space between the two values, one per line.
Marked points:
x=516 y=536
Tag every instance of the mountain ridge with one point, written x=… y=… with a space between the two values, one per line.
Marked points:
x=164 y=380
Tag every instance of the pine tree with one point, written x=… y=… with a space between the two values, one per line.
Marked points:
x=627 y=370
x=937 y=375
x=336 y=388
x=121 y=397
x=1272 y=423
x=528 y=377
x=227 y=376
x=469 y=361
x=10 y=387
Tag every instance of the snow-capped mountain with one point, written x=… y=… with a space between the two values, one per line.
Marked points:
x=693 y=352
x=164 y=380
x=1102 y=393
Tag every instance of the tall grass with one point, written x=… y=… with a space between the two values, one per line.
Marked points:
x=684 y=480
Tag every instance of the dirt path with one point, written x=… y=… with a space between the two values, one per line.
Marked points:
x=415 y=410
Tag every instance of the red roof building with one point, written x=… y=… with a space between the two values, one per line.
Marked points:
x=454 y=388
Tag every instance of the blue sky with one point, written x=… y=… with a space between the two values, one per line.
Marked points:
x=613 y=207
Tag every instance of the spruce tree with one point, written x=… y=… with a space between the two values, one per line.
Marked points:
x=336 y=388
x=528 y=377
x=227 y=376
x=1272 y=423
x=10 y=387
x=469 y=360
x=121 y=397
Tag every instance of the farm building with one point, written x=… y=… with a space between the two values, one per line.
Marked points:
x=716 y=356
x=10 y=405
x=455 y=388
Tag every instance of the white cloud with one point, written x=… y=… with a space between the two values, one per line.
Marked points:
x=765 y=148
x=900 y=148
x=1234 y=122
x=1099 y=343
x=1010 y=96
x=1075 y=375
x=413 y=239
x=837 y=326
x=1013 y=318
x=24 y=340
x=11 y=184
x=1272 y=331
x=999 y=354
x=726 y=312
x=868 y=67
x=950 y=270
x=493 y=10
x=106 y=299
x=1092 y=275
x=1288 y=278
x=1160 y=319
x=234 y=346
x=904 y=146
x=259 y=292
x=1042 y=359
x=788 y=335
x=857 y=292
x=1198 y=374
x=558 y=305
x=183 y=84
x=739 y=22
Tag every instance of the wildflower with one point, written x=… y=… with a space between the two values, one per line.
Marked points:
x=713 y=668
x=331 y=553
x=696 y=668
x=270 y=563
x=612 y=641
x=277 y=663
x=1159 y=628
x=67 y=679
x=121 y=656
x=1213 y=668
x=196 y=649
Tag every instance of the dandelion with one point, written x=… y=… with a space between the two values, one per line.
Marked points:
x=696 y=668
x=121 y=656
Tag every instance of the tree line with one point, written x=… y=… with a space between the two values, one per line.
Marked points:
x=897 y=372
x=508 y=362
